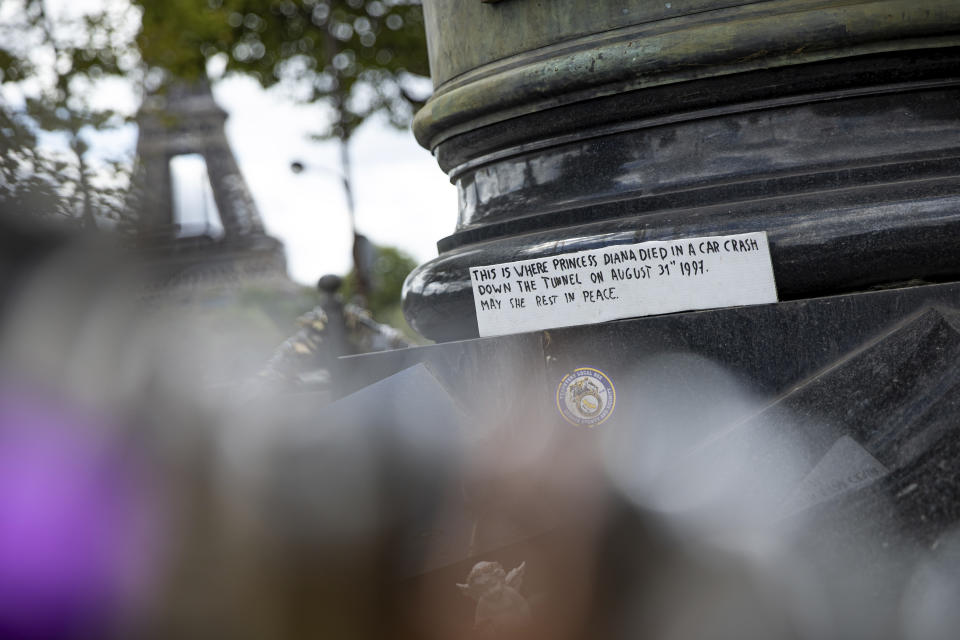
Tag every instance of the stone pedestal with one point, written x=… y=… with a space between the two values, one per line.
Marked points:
x=829 y=423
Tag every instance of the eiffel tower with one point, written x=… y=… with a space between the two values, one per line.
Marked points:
x=184 y=120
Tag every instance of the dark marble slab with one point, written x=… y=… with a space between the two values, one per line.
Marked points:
x=868 y=366
x=374 y=470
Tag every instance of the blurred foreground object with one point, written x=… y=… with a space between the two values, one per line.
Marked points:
x=501 y=609
x=739 y=489
x=76 y=535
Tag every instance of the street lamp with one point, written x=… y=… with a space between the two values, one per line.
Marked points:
x=360 y=242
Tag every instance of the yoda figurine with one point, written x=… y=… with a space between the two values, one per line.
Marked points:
x=501 y=609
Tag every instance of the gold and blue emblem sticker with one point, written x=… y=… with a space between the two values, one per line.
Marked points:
x=586 y=397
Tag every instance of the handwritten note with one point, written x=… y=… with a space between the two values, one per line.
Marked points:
x=623 y=281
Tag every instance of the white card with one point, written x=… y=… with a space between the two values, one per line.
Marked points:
x=623 y=281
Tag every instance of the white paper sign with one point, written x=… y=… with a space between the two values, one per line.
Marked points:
x=623 y=281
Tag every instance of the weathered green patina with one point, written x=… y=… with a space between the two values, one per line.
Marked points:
x=537 y=54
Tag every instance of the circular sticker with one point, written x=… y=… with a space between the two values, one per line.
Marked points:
x=586 y=397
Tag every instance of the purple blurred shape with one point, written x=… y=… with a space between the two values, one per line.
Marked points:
x=74 y=520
